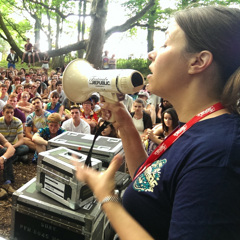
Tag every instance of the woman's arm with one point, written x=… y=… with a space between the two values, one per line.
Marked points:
x=102 y=184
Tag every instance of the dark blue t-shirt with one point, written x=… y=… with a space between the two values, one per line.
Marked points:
x=193 y=191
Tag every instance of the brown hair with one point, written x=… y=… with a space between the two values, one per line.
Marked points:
x=216 y=29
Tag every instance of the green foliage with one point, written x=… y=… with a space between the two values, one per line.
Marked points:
x=139 y=64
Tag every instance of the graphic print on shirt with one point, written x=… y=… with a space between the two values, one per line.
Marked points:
x=150 y=177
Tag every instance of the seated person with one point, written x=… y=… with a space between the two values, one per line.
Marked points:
x=12 y=129
x=27 y=88
x=24 y=105
x=88 y=115
x=3 y=93
x=35 y=121
x=41 y=137
x=12 y=100
x=60 y=91
x=54 y=106
x=6 y=153
x=156 y=135
x=109 y=131
x=75 y=123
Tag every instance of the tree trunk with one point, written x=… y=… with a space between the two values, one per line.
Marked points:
x=97 y=33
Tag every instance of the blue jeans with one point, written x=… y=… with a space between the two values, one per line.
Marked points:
x=19 y=152
x=11 y=65
x=8 y=168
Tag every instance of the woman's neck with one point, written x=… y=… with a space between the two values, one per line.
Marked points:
x=138 y=114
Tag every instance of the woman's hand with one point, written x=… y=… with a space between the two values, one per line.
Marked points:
x=121 y=116
x=101 y=183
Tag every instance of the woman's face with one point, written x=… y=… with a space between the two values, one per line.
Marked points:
x=54 y=99
x=24 y=97
x=54 y=81
x=19 y=90
x=138 y=107
x=168 y=120
x=169 y=65
x=106 y=131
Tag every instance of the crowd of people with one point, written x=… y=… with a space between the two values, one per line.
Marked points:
x=180 y=133
x=34 y=109
x=40 y=110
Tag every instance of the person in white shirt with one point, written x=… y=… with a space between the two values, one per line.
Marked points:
x=75 y=123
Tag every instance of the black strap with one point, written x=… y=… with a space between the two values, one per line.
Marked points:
x=88 y=161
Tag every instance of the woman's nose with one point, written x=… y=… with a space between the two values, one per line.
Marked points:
x=152 y=55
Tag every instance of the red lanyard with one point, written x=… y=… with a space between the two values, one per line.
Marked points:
x=175 y=135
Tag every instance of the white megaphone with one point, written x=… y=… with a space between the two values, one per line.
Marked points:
x=80 y=80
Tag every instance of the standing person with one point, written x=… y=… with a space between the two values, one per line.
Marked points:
x=105 y=60
x=12 y=129
x=189 y=187
x=75 y=123
x=12 y=58
x=28 y=51
x=141 y=119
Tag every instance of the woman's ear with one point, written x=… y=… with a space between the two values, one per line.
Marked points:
x=200 y=61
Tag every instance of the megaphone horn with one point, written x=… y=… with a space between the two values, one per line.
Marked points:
x=80 y=80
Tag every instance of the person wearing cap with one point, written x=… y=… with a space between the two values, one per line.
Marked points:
x=149 y=108
x=88 y=115
x=41 y=137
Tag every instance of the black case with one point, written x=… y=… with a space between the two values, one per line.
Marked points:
x=36 y=217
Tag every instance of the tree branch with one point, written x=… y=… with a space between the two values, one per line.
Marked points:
x=130 y=22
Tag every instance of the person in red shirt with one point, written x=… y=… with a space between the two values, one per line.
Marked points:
x=88 y=115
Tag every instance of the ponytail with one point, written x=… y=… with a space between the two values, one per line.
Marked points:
x=231 y=92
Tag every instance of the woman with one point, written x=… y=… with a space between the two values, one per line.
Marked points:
x=7 y=82
x=54 y=105
x=18 y=89
x=23 y=105
x=109 y=131
x=161 y=107
x=189 y=187
x=52 y=86
x=34 y=88
x=156 y=135
x=17 y=81
x=141 y=119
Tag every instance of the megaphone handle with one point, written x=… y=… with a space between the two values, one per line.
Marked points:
x=105 y=99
